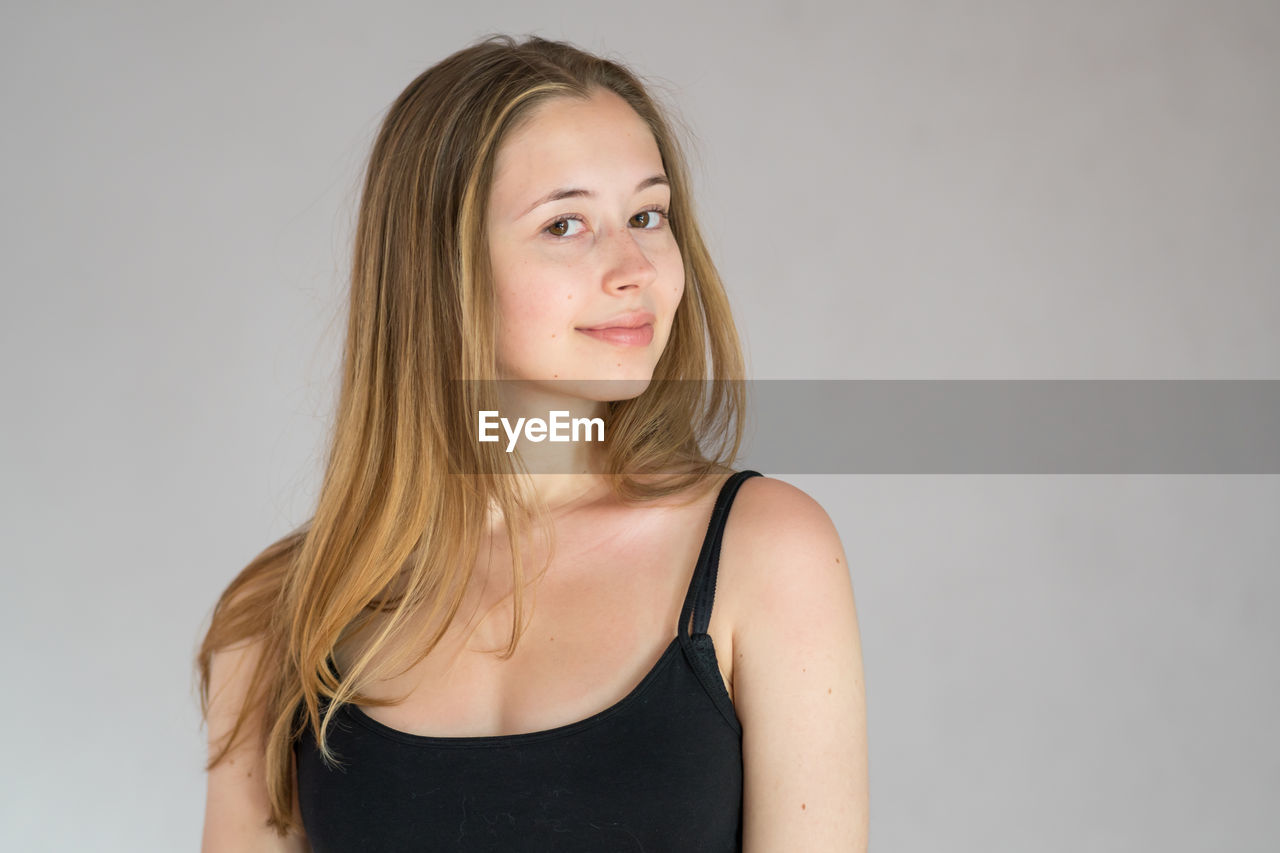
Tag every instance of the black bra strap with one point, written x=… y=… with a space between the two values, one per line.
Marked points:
x=702 y=589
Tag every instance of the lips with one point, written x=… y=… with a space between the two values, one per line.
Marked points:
x=639 y=336
x=630 y=328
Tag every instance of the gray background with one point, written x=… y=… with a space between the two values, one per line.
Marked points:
x=892 y=190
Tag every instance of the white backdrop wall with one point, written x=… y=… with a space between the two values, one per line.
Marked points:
x=906 y=190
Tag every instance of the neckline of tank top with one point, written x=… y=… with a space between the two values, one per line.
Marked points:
x=357 y=714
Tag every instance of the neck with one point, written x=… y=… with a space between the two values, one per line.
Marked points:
x=563 y=474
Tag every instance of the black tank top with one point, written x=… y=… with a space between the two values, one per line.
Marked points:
x=661 y=770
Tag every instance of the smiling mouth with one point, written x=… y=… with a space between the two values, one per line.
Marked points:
x=638 y=337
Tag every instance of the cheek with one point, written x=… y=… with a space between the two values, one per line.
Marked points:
x=677 y=279
x=533 y=305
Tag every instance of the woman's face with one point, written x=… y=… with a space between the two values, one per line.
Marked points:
x=603 y=256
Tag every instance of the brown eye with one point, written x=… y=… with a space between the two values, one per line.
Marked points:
x=560 y=227
x=655 y=217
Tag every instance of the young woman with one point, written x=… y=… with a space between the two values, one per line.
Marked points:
x=670 y=675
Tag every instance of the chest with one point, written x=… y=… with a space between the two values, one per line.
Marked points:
x=594 y=624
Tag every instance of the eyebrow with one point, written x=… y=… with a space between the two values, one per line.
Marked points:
x=571 y=192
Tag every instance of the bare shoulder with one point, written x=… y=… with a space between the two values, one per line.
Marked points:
x=779 y=503
x=798 y=677
x=779 y=534
x=782 y=565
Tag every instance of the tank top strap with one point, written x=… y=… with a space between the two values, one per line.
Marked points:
x=702 y=588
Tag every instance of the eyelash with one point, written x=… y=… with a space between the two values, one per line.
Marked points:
x=654 y=208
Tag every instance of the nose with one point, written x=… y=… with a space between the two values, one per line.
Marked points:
x=626 y=264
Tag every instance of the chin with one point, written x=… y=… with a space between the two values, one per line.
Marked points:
x=605 y=389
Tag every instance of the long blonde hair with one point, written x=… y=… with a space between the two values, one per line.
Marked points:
x=395 y=529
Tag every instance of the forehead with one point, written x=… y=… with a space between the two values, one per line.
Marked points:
x=599 y=144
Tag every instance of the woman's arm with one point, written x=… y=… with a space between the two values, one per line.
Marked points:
x=798 y=680
x=236 y=804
